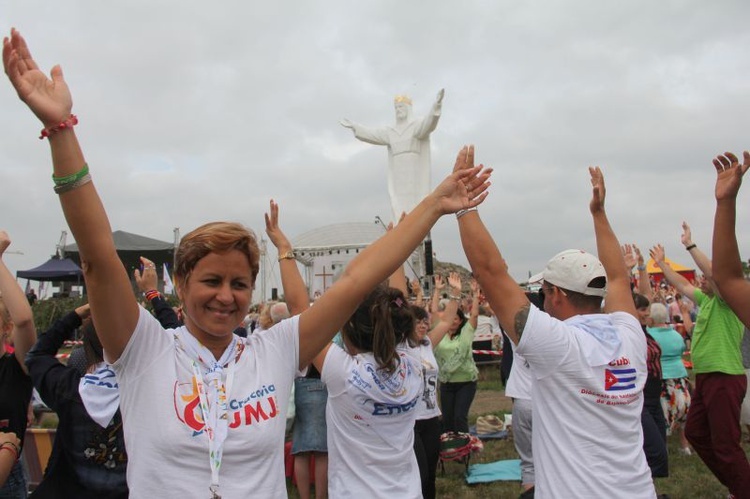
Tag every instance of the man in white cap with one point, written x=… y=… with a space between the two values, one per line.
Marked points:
x=588 y=367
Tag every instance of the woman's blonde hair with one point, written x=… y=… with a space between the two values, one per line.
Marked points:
x=215 y=237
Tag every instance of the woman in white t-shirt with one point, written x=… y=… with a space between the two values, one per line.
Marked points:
x=199 y=399
x=374 y=385
x=427 y=428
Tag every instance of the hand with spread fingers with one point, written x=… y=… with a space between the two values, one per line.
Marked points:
x=729 y=173
x=48 y=98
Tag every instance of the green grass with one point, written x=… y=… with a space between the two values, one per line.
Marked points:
x=689 y=478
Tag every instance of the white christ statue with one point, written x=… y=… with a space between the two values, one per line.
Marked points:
x=408 y=144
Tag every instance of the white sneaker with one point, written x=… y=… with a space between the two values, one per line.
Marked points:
x=686 y=451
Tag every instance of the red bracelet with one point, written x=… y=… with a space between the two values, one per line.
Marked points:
x=151 y=294
x=4 y=447
x=69 y=123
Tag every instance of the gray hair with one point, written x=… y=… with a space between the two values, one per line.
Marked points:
x=279 y=312
x=659 y=313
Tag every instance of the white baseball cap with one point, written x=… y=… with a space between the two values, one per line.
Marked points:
x=573 y=270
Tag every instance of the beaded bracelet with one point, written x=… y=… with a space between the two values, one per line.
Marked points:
x=67 y=179
x=69 y=123
x=151 y=294
x=641 y=267
x=59 y=189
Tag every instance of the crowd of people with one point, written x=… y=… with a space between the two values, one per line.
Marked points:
x=164 y=402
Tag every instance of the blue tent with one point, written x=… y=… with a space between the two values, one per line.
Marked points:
x=55 y=269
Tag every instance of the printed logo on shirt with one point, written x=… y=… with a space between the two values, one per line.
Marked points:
x=258 y=406
x=380 y=409
x=619 y=379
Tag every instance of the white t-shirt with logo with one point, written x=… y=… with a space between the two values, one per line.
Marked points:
x=370 y=417
x=167 y=446
x=427 y=407
x=587 y=438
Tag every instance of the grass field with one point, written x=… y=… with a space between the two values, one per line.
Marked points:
x=689 y=478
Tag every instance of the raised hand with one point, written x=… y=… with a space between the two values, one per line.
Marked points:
x=638 y=256
x=146 y=280
x=346 y=123
x=474 y=285
x=729 y=173
x=275 y=234
x=439 y=282
x=4 y=242
x=657 y=253
x=598 y=192
x=48 y=98
x=454 y=280
x=440 y=95
x=687 y=237
x=466 y=187
x=627 y=254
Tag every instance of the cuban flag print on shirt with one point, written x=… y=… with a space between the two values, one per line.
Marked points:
x=619 y=379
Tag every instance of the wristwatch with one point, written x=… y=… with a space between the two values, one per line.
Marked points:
x=288 y=255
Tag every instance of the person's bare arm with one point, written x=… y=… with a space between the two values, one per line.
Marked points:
x=24 y=331
x=318 y=324
x=10 y=446
x=727 y=266
x=416 y=288
x=474 y=311
x=644 y=280
x=397 y=280
x=619 y=297
x=506 y=298
x=675 y=279
x=295 y=291
x=436 y=292
x=699 y=257
x=113 y=305
x=441 y=326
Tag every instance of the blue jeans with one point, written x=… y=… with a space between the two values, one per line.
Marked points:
x=455 y=401
x=15 y=485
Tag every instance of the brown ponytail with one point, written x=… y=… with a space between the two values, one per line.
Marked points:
x=382 y=321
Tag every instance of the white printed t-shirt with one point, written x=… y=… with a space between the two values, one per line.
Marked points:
x=164 y=432
x=587 y=438
x=427 y=407
x=370 y=417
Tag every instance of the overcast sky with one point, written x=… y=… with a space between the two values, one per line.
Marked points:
x=192 y=112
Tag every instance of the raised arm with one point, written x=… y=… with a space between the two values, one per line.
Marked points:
x=443 y=324
x=474 y=312
x=727 y=266
x=644 y=280
x=295 y=291
x=436 y=294
x=113 y=304
x=318 y=324
x=24 y=332
x=619 y=297
x=505 y=296
x=397 y=280
x=680 y=283
x=699 y=257
x=416 y=289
